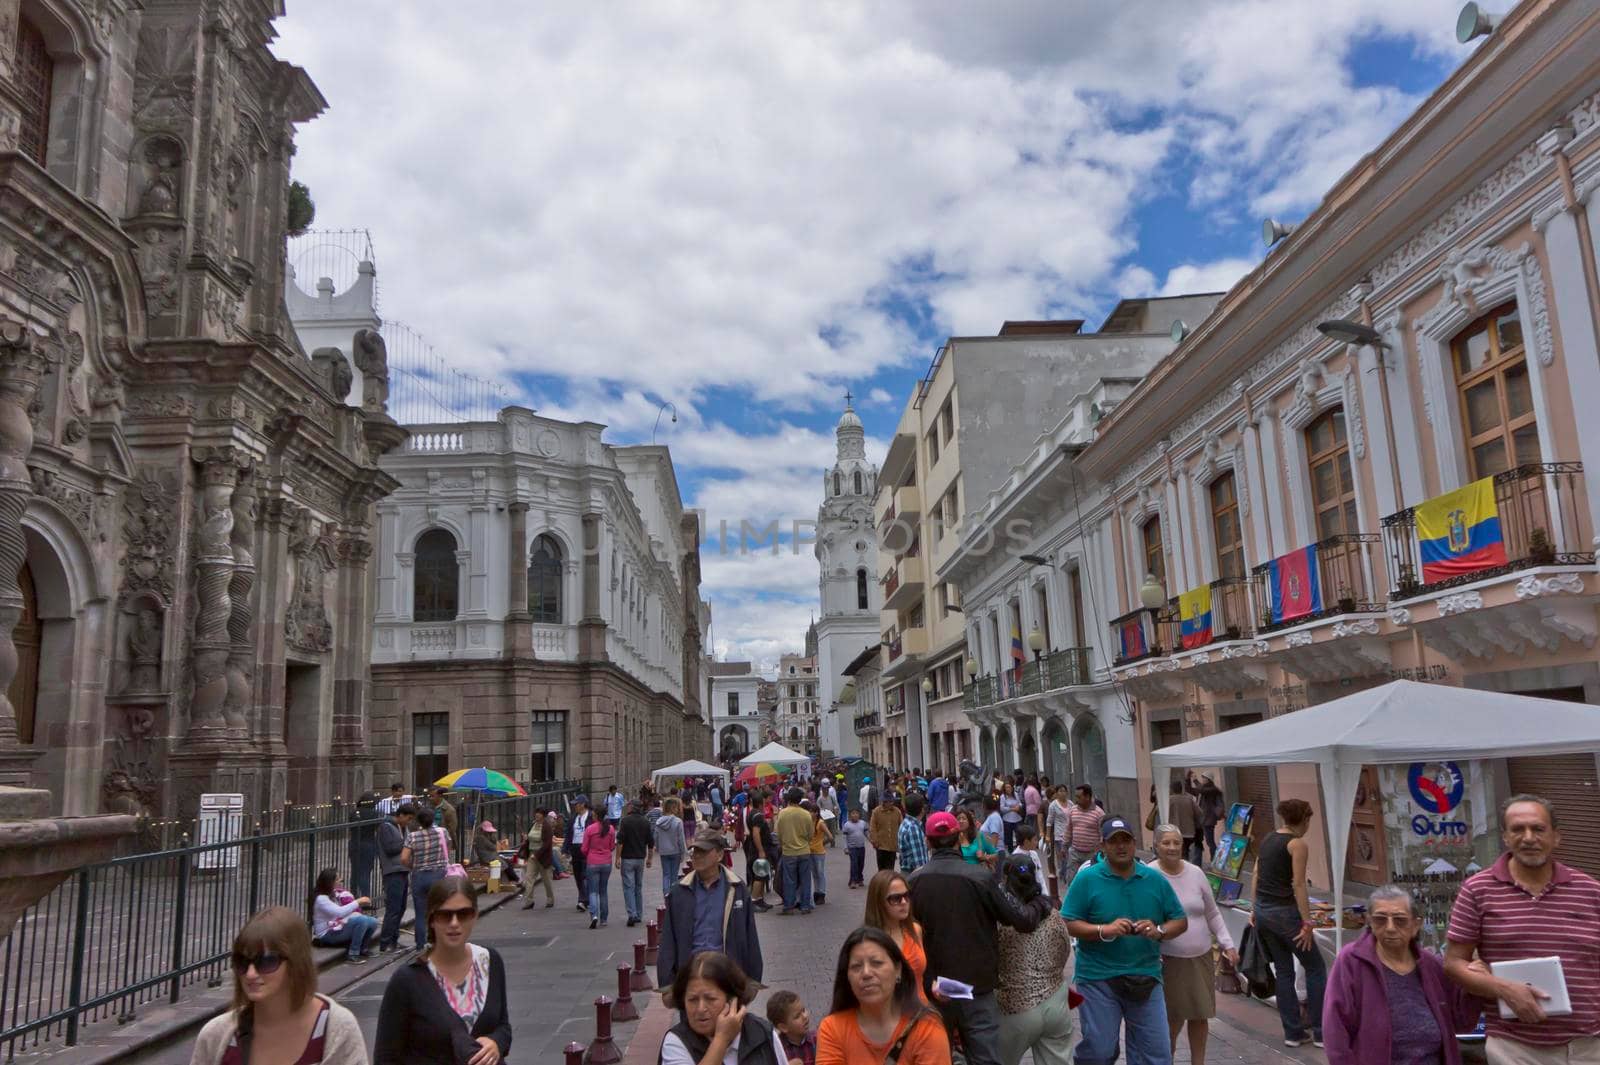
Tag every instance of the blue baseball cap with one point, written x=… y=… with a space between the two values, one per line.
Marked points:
x=1111 y=826
x=576 y=799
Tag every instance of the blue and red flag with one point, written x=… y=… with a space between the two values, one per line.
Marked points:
x=1459 y=532
x=1130 y=634
x=1194 y=616
x=1294 y=585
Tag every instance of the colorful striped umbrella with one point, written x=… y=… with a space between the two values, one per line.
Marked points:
x=759 y=773
x=480 y=779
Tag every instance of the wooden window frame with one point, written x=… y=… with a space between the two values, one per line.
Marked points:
x=35 y=77
x=1344 y=503
x=1155 y=553
x=439 y=575
x=1235 y=549
x=1495 y=368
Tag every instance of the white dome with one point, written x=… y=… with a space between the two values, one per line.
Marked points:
x=849 y=420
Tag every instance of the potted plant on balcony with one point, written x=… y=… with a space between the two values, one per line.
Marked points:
x=1266 y=618
x=1540 y=550
x=1346 y=601
x=1407 y=585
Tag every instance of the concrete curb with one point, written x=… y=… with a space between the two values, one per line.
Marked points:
x=162 y=1025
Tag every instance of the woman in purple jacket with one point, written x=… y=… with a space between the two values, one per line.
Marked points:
x=1388 y=1001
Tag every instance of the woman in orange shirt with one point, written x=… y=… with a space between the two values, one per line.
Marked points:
x=889 y=910
x=876 y=1013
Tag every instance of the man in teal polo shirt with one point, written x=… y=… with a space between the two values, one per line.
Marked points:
x=1119 y=911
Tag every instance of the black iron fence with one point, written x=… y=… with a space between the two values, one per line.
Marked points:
x=147 y=928
x=1348 y=569
x=1543 y=522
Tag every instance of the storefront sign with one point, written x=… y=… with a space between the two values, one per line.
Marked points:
x=1437 y=830
x=1433 y=674
x=1286 y=699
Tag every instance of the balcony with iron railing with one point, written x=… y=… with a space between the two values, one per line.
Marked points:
x=1346 y=568
x=1051 y=671
x=1541 y=523
x=868 y=723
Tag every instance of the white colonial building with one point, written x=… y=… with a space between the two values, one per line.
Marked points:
x=735 y=720
x=847 y=557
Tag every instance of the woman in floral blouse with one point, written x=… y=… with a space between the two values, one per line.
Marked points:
x=449 y=1005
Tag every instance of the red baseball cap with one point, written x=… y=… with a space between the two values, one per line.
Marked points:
x=942 y=824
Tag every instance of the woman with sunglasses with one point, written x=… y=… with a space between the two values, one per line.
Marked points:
x=277 y=1014
x=1389 y=1001
x=447 y=1007
x=889 y=910
x=876 y=1014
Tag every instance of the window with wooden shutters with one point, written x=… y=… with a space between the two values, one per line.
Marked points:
x=544 y=581
x=436 y=577
x=1496 y=396
x=1225 y=527
x=1333 y=488
x=35 y=72
x=1155 y=559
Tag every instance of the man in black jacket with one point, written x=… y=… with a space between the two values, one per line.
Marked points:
x=708 y=910
x=392 y=832
x=575 y=826
x=959 y=907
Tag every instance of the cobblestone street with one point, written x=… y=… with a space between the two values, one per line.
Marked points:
x=557 y=967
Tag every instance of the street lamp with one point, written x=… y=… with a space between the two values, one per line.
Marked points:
x=659 y=410
x=1347 y=332
x=927 y=685
x=1151 y=594
x=1036 y=642
x=972 y=667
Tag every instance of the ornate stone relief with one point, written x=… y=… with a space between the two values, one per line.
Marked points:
x=307 y=627
x=1534 y=586
x=1364 y=627
x=1399 y=615
x=149 y=508
x=1459 y=603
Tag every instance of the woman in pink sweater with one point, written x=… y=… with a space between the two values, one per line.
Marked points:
x=599 y=844
x=1188 y=975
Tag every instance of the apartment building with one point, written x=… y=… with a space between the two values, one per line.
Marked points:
x=1294 y=491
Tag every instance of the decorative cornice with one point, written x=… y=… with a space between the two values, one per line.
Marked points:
x=1534 y=586
x=1459 y=603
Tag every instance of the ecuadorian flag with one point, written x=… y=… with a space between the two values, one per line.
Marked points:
x=1017 y=657
x=1460 y=532
x=1194 y=616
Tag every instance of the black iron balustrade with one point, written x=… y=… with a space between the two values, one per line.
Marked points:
x=1347 y=568
x=143 y=929
x=1542 y=523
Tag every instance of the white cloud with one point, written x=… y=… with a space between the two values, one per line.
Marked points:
x=1217 y=276
x=652 y=200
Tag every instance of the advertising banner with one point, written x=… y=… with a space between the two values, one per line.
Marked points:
x=1439 y=826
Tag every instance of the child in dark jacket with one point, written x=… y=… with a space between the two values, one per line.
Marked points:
x=793 y=1024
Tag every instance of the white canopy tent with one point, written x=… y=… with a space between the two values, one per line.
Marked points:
x=1399 y=722
x=691 y=768
x=777 y=754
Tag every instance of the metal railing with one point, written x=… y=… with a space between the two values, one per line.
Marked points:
x=1541 y=524
x=1346 y=569
x=144 y=928
x=1051 y=670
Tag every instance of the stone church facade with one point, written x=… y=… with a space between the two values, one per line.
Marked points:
x=186 y=499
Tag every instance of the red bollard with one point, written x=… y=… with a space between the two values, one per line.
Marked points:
x=624 y=1010
x=639 y=980
x=603 y=1051
x=574 y=1052
x=652 y=942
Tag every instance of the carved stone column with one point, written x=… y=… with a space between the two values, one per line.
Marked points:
x=22 y=364
x=519 y=623
x=591 y=623
x=214 y=565
x=241 y=668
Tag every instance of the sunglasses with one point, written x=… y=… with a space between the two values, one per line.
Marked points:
x=461 y=916
x=897 y=897
x=266 y=963
x=1384 y=920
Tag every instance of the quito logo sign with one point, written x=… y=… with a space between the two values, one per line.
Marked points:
x=1437 y=787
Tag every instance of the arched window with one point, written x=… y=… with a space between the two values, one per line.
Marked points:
x=861 y=589
x=436 y=577
x=838 y=483
x=858 y=482
x=544 y=581
x=35 y=72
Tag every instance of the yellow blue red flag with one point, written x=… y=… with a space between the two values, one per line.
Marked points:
x=1459 y=532
x=1194 y=616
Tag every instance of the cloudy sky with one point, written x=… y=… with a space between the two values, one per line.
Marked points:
x=745 y=209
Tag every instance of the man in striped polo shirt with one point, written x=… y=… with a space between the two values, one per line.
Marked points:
x=1528 y=905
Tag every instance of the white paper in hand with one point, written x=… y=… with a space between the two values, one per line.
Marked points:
x=952 y=988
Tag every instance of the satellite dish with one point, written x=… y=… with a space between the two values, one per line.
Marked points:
x=1474 y=22
x=1179 y=330
x=1273 y=231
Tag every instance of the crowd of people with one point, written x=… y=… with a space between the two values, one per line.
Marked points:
x=986 y=896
